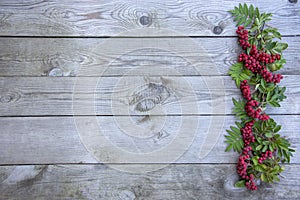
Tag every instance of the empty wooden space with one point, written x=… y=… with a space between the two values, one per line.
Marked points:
x=124 y=99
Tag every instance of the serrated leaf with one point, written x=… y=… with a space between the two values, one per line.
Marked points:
x=240 y=184
x=238 y=73
x=239 y=125
x=263 y=177
x=228 y=148
x=234 y=140
x=241 y=8
x=251 y=11
x=269 y=135
x=281 y=46
x=265 y=149
x=274 y=103
x=241 y=21
x=255 y=160
x=277 y=129
x=236 y=130
x=248 y=22
x=271 y=147
x=257 y=14
x=245 y=9
x=270 y=45
x=258 y=147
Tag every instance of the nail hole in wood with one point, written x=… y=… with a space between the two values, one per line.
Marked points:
x=145 y=20
x=217 y=30
x=293 y=1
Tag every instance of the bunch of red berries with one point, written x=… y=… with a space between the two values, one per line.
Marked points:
x=256 y=60
x=253 y=64
x=269 y=77
x=242 y=166
x=255 y=113
x=242 y=171
x=251 y=184
x=251 y=112
x=245 y=88
x=264 y=156
x=248 y=137
x=243 y=37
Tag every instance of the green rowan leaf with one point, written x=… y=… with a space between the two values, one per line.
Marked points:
x=234 y=140
x=240 y=184
x=238 y=73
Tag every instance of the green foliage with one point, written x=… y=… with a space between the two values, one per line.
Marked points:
x=239 y=109
x=240 y=183
x=278 y=64
x=269 y=93
x=238 y=73
x=275 y=96
x=244 y=15
x=234 y=138
x=282 y=146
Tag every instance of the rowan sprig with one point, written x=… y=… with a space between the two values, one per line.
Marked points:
x=257 y=137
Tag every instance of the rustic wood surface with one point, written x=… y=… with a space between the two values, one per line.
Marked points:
x=55 y=95
x=61 y=71
x=39 y=56
x=197 y=181
x=106 y=18
x=37 y=140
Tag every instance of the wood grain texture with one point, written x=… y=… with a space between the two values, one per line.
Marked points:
x=66 y=57
x=173 y=182
x=106 y=18
x=121 y=95
x=44 y=140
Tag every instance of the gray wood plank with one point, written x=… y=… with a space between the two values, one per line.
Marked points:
x=173 y=182
x=68 y=57
x=44 y=140
x=106 y=18
x=128 y=95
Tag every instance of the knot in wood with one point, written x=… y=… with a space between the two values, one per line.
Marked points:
x=148 y=96
x=56 y=72
x=218 y=30
x=6 y=98
x=127 y=195
x=145 y=20
x=9 y=97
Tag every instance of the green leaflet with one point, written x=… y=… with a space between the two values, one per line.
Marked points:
x=238 y=73
x=244 y=15
x=234 y=139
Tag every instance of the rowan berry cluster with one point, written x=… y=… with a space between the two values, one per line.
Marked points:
x=255 y=112
x=251 y=184
x=252 y=106
x=264 y=156
x=245 y=89
x=243 y=37
x=248 y=137
x=256 y=60
x=243 y=162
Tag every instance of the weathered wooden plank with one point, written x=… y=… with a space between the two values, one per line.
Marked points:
x=106 y=18
x=66 y=57
x=43 y=140
x=128 y=95
x=173 y=182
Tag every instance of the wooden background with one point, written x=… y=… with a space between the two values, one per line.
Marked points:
x=43 y=46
